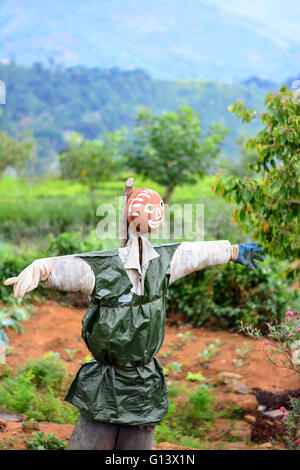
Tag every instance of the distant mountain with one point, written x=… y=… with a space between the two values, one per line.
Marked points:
x=54 y=101
x=170 y=39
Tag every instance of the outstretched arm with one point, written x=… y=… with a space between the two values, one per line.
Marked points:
x=194 y=256
x=66 y=273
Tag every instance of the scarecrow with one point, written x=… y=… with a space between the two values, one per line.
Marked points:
x=121 y=394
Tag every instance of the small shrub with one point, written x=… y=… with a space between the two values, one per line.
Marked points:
x=223 y=296
x=40 y=442
x=195 y=377
x=30 y=425
x=47 y=371
x=70 y=244
x=32 y=391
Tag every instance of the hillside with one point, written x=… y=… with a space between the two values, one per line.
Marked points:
x=53 y=101
x=170 y=39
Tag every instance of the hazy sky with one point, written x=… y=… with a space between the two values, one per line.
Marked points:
x=282 y=16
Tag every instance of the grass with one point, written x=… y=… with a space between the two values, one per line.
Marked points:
x=32 y=209
x=188 y=425
x=38 y=389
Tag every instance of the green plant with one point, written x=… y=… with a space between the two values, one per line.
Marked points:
x=268 y=206
x=91 y=161
x=282 y=348
x=292 y=422
x=176 y=367
x=87 y=358
x=165 y=353
x=221 y=297
x=71 y=353
x=69 y=244
x=283 y=344
x=188 y=424
x=171 y=150
x=50 y=442
x=15 y=151
x=30 y=425
x=211 y=351
x=185 y=337
x=11 y=316
x=241 y=352
x=7 y=443
x=195 y=377
x=47 y=371
x=35 y=390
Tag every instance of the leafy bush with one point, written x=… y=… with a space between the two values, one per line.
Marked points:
x=11 y=317
x=186 y=425
x=223 y=296
x=282 y=348
x=67 y=244
x=47 y=371
x=13 y=261
x=40 y=442
x=32 y=391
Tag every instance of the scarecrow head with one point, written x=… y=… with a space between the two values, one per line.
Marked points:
x=145 y=210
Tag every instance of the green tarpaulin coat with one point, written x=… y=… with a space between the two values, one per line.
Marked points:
x=124 y=383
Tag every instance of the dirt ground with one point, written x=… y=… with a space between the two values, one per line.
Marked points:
x=53 y=327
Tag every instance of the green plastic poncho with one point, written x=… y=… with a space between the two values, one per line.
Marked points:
x=124 y=383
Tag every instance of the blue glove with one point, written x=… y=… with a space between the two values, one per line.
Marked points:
x=247 y=255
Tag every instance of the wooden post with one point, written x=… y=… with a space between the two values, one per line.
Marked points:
x=129 y=188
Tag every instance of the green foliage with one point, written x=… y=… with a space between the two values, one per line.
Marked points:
x=282 y=347
x=244 y=165
x=269 y=206
x=91 y=101
x=11 y=316
x=15 y=152
x=195 y=377
x=187 y=425
x=176 y=367
x=30 y=425
x=68 y=244
x=13 y=261
x=35 y=391
x=171 y=150
x=90 y=161
x=47 y=371
x=40 y=442
x=292 y=422
x=211 y=351
x=7 y=444
x=58 y=206
x=221 y=297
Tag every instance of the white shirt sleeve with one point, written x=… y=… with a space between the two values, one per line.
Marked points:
x=194 y=256
x=71 y=274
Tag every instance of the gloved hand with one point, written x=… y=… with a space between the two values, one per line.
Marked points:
x=248 y=254
x=29 y=278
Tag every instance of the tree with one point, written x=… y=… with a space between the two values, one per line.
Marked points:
x=170 y=148
x=91 y=161
x=269 y=204
x=242 y=167
x=15 y=151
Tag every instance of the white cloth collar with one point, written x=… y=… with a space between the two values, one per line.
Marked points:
x=130 y=253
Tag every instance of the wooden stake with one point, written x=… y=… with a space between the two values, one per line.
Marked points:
x=129 y=188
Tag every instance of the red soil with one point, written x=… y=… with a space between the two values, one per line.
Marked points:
x=56 y=328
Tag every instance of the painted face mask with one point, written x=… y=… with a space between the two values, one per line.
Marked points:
x=145 y=210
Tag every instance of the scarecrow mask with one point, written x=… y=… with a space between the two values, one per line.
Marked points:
x=145 y=210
